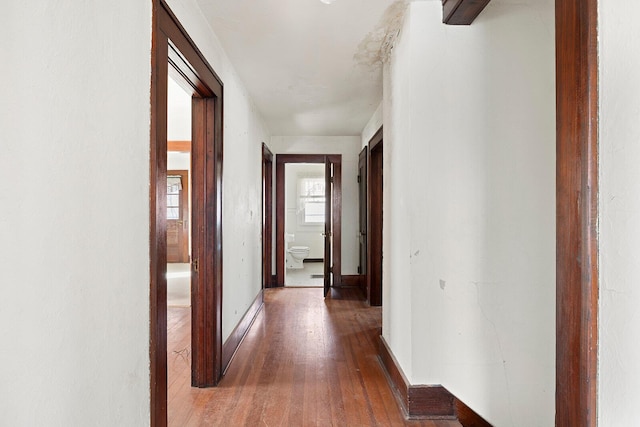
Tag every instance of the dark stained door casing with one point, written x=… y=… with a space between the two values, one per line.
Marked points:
x=362 y=214
x=327 y=224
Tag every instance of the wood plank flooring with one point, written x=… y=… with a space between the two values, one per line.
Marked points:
x=305 y=362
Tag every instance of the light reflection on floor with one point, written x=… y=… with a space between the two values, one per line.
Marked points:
x=179 y=284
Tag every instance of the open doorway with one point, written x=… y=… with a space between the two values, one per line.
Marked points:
x=304 y=224
x=316 y=209
x=178 y=195
x=175 y=54
x=178 y=221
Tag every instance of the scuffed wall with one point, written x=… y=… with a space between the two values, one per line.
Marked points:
x=469 y=253
x=372 y=126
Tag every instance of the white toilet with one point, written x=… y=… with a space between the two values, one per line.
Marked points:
x=296 y=256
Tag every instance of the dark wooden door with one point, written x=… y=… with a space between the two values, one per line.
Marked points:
x=327 y=224
x=374 y=279
x=362 y=212
x=178 y=216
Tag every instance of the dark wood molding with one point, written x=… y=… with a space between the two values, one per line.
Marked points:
x=281 y=161
x=376 y=138
x=375 y=200
x=425 y=401
x=267 y=216
x=462 y=12
x=180 y=146
x=157 y=238
x=232 y=343
x=363 y=218
x=336 y=249
x=174 y=52
x=352 y=280
x=576 y=212
x=206 y=202
x=467 y=416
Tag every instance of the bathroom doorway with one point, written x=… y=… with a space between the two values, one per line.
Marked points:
x=308 y=220
x=304 y=222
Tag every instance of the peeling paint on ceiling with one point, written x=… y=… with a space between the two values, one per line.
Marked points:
x=376 y=47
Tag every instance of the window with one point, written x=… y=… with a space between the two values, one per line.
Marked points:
x=174 y=186
x=311 y=199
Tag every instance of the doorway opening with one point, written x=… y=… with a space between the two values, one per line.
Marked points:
x=178 y=220
x=304 y=224
x=175 y=54
x=315 y=208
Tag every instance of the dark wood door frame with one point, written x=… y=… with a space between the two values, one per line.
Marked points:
x=174 y=52
x=576 y=212
x=363 y=218
x=374 y=221
x=328 y=228
x=281 y=161
x=267 y=216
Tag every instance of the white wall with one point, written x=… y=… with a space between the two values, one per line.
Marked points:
x=178 y=112
x=178 y=125
x=309 y=235
x=349 y=147
x=372 y=126
x=619 y=320
x=244 y=132
x=74 y=245
x=469 y=238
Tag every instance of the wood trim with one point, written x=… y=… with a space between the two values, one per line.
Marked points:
x=173 y=49
x=376 y=138
x=280 y=219
x=462 y=12
x=336 y=217
x=240 y=331
x=363 y=218
x=267 y=216
x=157 y=237
x=375 y=200
x=467 y=416
x=180 y=146
x=425 y=401
x=395 y=375
x=185 y=55
x=206 y=201
x=281 y=160
x=352 y=280
x=577 y=212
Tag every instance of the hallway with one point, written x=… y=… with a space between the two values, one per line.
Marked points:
x=304 y=362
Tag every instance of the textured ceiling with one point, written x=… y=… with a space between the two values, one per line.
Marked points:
x=311 y=68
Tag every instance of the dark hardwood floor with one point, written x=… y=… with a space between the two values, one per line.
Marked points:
x=305 y=362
